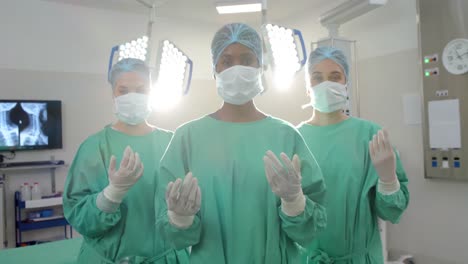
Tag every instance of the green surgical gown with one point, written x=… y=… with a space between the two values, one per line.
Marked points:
x=240 y=220
x=352 y=200
x=130 y=230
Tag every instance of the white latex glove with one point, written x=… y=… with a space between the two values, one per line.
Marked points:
x=120 y=181
x=183 y=201
x=383 y=157
x=285 y=181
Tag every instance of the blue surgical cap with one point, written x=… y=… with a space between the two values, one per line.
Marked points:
x=128 y=65
x=323 y=53
x=236 y=33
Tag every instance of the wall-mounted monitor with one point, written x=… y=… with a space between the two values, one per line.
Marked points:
x=30 y=125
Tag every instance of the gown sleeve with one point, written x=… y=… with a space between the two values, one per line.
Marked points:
x=303 y=229
x=389 y=207
x=86 y=179
x=175 y=164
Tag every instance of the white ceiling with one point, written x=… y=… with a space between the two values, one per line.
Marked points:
x=204 y=10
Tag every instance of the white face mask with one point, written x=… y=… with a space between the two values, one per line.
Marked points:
x=132 y=108
x=239 y=84
x=328 y=97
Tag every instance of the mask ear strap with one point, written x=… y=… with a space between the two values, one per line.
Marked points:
x=306 y=106
x=114 y=107
x=263 y=79
x=214 y=72
x=309 y=104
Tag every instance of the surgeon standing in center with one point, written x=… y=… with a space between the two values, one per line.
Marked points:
x=242 y=186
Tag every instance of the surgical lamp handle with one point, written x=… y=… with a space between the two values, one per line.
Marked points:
x=304 y=52
x=113 y=51
x=189 y=79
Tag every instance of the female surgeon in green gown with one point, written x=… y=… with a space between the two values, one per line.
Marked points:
x=109 y=191
x=364 y=177
x=229 y=196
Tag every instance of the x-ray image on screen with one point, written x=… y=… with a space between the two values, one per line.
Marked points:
x=9 y=133
x=32 y=129
x=30 y=125
x=23 y=124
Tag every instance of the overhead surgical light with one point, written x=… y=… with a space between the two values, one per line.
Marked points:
x=173 y=69
x=174 y=74
x=238 y=6
x=137 y=49
x=286 y=53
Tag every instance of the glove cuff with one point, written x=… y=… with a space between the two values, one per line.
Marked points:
x=114 y=194
x=180 y=221
x=388 y=188
x=295 y=207
x=106 y=205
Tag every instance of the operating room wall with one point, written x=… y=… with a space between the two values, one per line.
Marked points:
x=434 y=228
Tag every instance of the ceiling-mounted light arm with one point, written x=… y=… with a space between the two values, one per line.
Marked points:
x=144 y=3
x=149 y=30
x=347 y=11
x=333 y=30
x=264 y=12
x=152 y=18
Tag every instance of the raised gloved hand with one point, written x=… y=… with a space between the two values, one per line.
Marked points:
x=383 y=157
x=121 y=180
x=285 y=181
x=183 y=201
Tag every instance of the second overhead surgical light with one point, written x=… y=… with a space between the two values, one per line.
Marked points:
x=286 y=56
x=174 y=76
